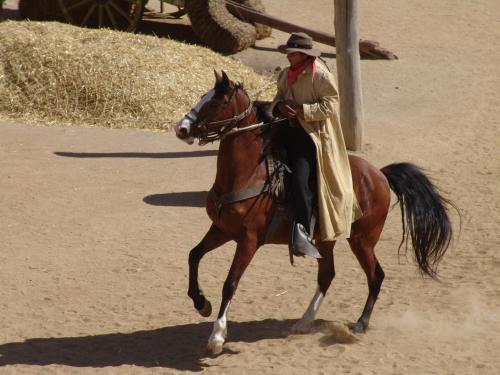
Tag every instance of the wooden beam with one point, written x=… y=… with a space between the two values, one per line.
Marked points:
x=252 y=15
x=369 y=49
x=349 y=73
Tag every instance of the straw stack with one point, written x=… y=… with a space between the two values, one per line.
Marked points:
x=221 y=30
x=56 y=73
x=261 y=31
x=218 y=28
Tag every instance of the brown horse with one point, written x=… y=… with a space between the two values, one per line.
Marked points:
x=241 y=207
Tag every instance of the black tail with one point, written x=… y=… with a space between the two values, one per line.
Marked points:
x=424 y=214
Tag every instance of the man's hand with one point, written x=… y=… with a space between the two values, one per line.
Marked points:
x=286 y=110
x=299 y=110
x=290 y=109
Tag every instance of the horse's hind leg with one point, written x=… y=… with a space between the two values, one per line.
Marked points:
x=212 y=240
x=363 y=246
x=326 y=273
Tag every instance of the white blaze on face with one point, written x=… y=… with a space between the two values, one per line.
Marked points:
x=183 y=127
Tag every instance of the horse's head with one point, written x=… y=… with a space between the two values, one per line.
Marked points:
x=220 y=109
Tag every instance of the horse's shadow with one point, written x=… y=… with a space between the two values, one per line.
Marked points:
x=179 y=347
x=180 y=199
x=142 y=155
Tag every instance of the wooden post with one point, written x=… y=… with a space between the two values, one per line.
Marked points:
x=348 y=71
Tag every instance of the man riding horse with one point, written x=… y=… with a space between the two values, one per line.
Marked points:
x=241 y=206
x=307 y=95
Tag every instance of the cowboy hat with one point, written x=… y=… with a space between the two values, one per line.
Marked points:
x=299 y=42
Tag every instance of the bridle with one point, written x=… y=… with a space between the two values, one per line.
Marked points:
x=211 y=131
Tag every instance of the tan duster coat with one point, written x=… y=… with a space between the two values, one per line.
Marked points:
x=337 y=204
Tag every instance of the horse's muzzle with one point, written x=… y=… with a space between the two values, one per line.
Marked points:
x=183 y=133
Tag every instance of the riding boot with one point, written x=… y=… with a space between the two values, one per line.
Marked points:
x=300 y=243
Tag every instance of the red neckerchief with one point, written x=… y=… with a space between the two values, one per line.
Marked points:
x=295 y=71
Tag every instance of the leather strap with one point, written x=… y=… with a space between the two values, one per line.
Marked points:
x=236 y=196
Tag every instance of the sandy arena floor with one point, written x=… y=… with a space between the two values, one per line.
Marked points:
x=96 y=226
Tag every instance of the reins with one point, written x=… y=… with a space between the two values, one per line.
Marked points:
x=251 y=127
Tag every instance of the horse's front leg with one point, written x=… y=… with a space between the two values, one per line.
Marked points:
x=245 y=251
x=212 y=240
x=326 y=273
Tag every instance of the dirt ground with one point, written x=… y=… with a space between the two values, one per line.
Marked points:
x=96 y=226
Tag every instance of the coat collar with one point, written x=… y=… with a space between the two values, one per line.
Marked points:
x=306 y=71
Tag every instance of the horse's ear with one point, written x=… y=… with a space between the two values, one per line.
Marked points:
x=225 y=79
x=218 y=77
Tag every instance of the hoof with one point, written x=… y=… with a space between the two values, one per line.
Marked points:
x=302 y=327
x=215 y=347
x=357 y=327
x=206 y=310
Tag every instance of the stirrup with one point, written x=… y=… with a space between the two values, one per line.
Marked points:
x=300 y=243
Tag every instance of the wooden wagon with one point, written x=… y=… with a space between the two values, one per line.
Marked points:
x=211 y=20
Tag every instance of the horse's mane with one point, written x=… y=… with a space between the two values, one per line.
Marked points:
x=264 y=114
x=263 y=109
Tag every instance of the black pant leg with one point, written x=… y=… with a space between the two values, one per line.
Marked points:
x=302 y=159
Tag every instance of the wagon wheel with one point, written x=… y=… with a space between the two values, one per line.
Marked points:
x=115 y=14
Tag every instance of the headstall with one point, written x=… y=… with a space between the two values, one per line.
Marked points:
x=211 y=131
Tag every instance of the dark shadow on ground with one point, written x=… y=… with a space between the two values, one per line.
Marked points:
x=179 y=347
x=172 y=28
x=10 y=14
x=161 y=25
x=147 y=155
x=182 y=199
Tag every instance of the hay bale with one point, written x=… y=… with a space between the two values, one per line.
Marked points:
x=218 y=28
x=56 y=73
x=261 y=31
